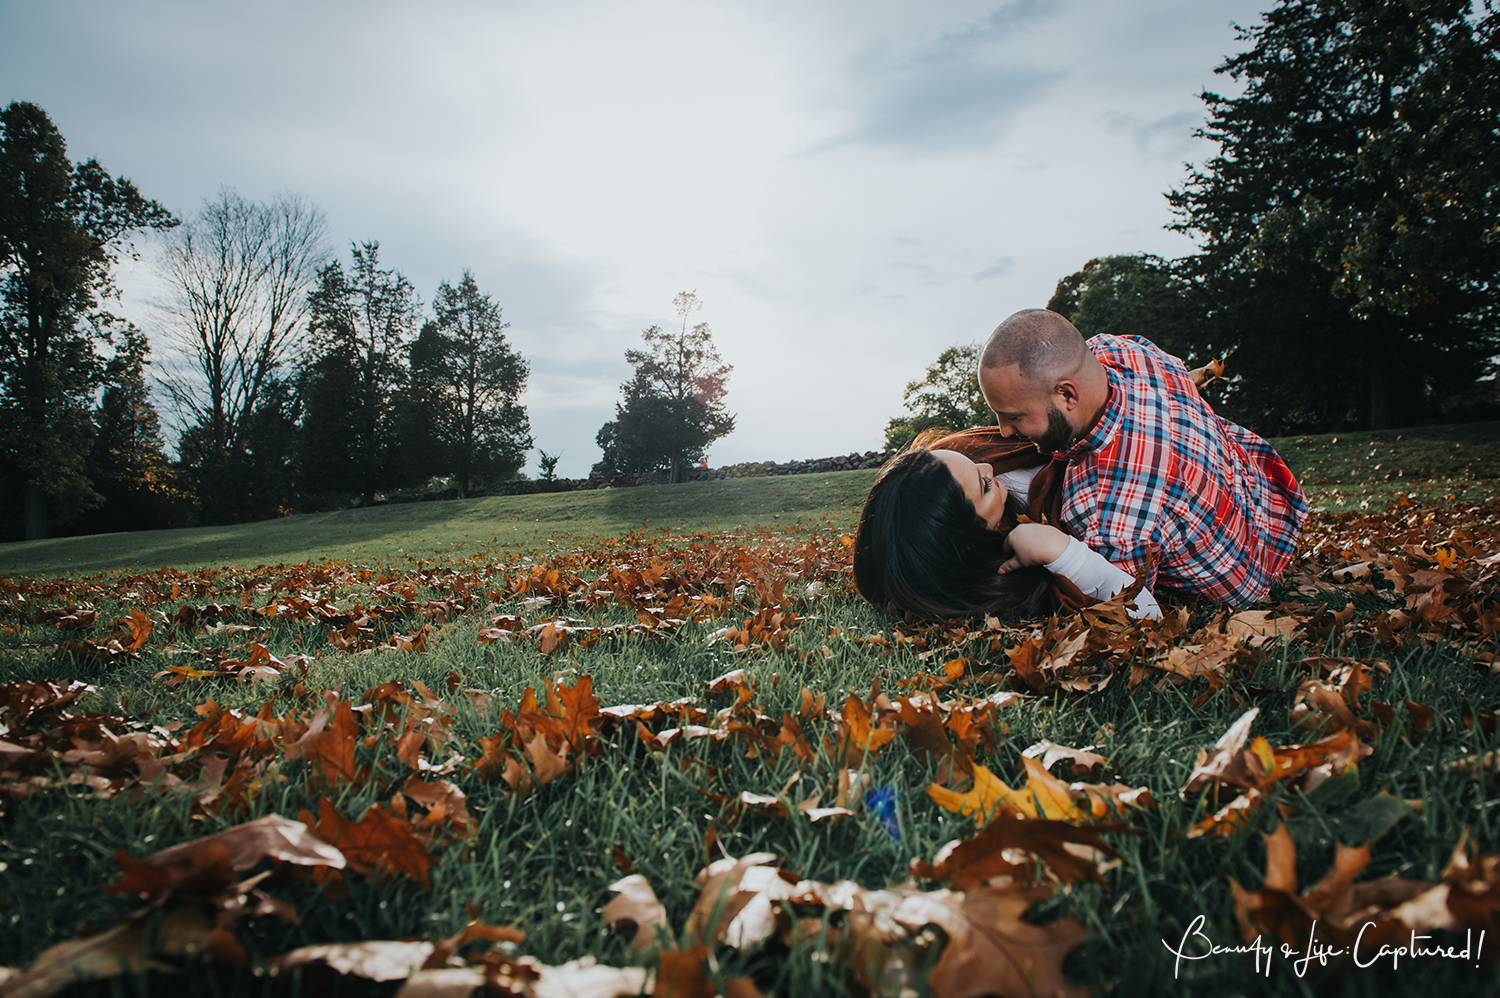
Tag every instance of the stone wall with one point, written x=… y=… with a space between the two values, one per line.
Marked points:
x=760 y=469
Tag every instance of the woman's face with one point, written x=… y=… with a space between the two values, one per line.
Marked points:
x=979 y=485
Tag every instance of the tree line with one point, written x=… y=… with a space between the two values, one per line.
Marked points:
x=1348 y=229
x=297 y=379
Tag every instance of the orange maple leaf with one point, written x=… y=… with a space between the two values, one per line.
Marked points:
x=382 y=841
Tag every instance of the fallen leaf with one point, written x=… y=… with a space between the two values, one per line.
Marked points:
x=636 y=905
x=1082 y=760
x=381 y=960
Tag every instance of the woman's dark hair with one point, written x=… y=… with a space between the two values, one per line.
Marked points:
x=922 y=547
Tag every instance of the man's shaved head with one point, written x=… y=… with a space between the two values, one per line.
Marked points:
x=1044 y=345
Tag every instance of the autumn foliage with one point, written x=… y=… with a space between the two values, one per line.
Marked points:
x=320 y=791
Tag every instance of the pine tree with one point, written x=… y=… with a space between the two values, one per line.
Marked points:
x=352 y=373
x=127 y=465
x=466 y=375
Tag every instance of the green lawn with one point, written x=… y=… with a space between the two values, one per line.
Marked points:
x=451 y=530
x=542 y=860
x=1338 y=471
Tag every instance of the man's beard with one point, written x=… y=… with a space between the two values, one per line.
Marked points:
x=1059 y=434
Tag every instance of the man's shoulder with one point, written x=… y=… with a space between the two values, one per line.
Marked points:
x=1134 y=352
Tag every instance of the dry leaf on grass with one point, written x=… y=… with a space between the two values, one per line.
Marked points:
x=1374 y=912
x=1233 y=766
x=182 y=932
x=1043 y=796
x=382 y=841
x=1082 y=760
x=247 y=844
x=636 y=905
x=1009 y=847
x=376 y=960
x=734 y=905
x=586 y=979
x=991 y=950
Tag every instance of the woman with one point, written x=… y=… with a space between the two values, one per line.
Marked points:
x=942 y=533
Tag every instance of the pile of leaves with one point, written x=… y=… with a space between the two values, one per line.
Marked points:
x=381 y=780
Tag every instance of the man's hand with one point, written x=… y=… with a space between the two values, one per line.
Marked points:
x=1034 y=544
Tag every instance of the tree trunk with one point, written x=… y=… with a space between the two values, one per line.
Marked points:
x=676 y=466
x=36 y=512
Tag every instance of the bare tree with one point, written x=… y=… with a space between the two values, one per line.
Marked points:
x=237 y=277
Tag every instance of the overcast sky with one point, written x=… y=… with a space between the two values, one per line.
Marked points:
x=850 y=187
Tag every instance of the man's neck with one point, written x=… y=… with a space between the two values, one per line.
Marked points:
x=1096 y=395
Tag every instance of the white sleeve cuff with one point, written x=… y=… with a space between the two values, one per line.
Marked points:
x=1096 y=576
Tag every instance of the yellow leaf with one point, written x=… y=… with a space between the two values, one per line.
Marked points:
x=989 y=793
x=1045 y=796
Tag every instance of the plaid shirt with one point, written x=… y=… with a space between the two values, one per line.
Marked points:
x=1161 y=473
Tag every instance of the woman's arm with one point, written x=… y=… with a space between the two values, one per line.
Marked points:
x=1095 y=575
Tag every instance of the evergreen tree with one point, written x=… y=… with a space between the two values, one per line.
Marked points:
x=61 y=227
x=674 y=405
x=127 y=465
x=352 y=374
x=1349 y=221
x=261 y=477
x=465 y=374
x=420 y=408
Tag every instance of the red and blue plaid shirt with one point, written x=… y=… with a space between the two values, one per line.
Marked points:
x=1162 y=474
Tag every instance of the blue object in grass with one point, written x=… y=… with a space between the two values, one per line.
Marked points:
x=882 y=803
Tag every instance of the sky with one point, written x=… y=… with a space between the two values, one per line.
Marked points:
x=850 y=188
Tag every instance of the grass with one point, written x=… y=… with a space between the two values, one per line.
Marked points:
x=401 y=534
x=1339 y=472
x=1446 y=464
x=542 y=861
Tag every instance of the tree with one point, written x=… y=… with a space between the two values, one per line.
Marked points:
x=613 y=462
x=127 y=465
x=465 y=374
x=1134 y=295
x=1064 y=300
x=547 y=466
x=947 y=397
x=237 y=276
x=674 y=405
x=61 y=229
x=265 y=464
x=352 y=372
x=1355 y=191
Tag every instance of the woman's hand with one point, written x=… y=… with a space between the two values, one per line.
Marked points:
x=1034 y=544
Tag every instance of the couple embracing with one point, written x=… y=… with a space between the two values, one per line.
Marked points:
x=1106 y=461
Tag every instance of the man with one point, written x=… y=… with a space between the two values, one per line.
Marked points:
x=1152 y=471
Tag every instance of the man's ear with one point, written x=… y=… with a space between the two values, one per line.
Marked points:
x=1070 y=392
